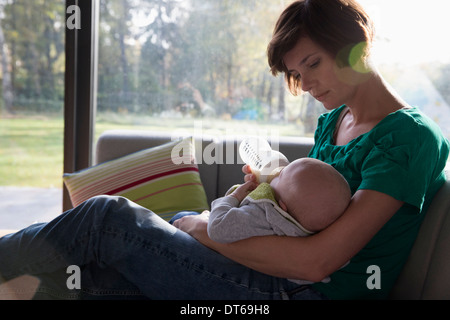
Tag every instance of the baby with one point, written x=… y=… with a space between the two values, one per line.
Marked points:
x=304 y=198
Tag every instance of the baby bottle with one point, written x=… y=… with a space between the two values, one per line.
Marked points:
x=264 y=162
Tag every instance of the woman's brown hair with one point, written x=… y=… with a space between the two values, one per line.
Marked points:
x=335 y=25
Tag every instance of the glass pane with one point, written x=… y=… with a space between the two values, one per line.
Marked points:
x=412 y=53
x=174 y=64
x=202 y=64
x=31 y=110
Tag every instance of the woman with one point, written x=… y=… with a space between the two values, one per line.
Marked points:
x=392 y=156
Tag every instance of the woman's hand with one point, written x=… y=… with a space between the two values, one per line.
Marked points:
x=310 y=258
x=195 y=225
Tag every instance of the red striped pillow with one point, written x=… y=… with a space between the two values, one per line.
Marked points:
x=150 y=177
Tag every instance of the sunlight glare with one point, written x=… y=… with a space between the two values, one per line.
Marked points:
x=410 y=31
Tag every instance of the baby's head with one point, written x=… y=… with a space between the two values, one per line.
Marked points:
x=312 y=192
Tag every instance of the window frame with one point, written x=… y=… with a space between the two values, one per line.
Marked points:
x=80 y=93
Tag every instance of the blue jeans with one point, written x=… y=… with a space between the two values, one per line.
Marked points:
x=125 y=251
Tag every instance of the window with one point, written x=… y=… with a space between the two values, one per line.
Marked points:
x=202 y=64
x=31 y=105
x=190 y=64
x=412 y=53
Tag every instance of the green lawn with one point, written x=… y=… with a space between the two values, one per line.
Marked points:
x=31 y=150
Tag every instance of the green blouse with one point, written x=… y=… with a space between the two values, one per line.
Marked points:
x=403 y=156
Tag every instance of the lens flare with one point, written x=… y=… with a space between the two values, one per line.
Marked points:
x=358 y=58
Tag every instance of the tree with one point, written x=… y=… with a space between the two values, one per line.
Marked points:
x=33 y=34
x=161 y=34
x=222 y=52
x=7 y=89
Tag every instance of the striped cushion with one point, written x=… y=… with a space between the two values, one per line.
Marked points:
x=149 y=177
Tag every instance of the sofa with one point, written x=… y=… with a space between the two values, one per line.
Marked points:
x=426 y=274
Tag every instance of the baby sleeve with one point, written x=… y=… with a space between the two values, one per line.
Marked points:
x=230 y=223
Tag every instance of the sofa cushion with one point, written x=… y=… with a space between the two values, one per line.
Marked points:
x=164 y=179
x=113 y=144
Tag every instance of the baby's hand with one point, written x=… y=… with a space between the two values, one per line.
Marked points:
x=243 y=190
x=248 y=173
